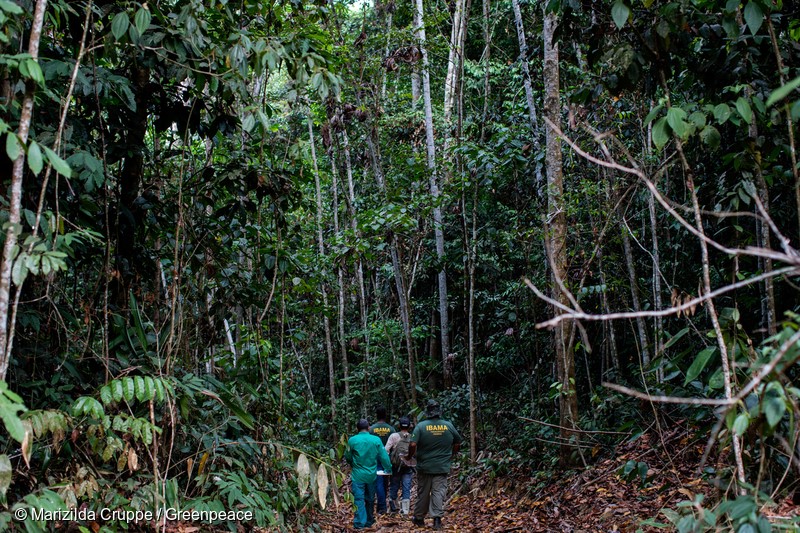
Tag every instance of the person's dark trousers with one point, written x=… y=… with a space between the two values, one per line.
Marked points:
x=363 y=493
x=431 y=495
x=380 y=491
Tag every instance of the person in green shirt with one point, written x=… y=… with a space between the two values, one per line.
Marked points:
x=434 y=442
x=364 y=451
x=381 y=429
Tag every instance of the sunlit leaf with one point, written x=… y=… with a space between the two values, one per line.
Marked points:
x=783 y=91
x=322 y=485
x=303 y=474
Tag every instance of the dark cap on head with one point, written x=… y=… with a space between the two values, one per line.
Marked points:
x=362 y=424
x=405 y=423
x=433 y=408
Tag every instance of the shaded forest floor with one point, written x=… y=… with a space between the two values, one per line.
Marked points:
x=598 y=498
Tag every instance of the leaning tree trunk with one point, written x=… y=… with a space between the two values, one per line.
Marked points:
x=15 y=198
x=556 y=249
x=438 y=227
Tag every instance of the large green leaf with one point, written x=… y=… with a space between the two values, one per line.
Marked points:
x=620 y=13
x=741 y=424
x=142 y=20
x=119 y=25
x=753 y=16
x=676 y=118
x=60 y=166
x=13 y=148
x=35 y=161
x=660 y=133
x=743 y=107
x=722 y=113
x=774 y=408
x=699 y=364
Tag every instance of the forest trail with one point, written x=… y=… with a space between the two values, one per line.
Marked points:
x=601 y=498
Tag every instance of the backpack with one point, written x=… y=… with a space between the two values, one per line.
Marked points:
x=400 y=450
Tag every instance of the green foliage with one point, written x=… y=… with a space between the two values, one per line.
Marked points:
x=11 y=406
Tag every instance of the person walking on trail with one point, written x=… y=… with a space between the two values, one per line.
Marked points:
x=434 y=442
x=381 y=429
x=364 y=452
x=402 y=468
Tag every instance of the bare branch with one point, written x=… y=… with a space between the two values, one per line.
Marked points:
x=666 y=399
x=576 y=315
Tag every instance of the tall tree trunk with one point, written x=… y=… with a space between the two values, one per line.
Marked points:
x=384 y=74
x=471 y=258
x=727 y=377
x=15 y=197
x=557 y=240
x=339 y=274
x=399 y=281
x=458 y=35
x=438 y=224
x=526 y=81
x=641 y=328
x=789 y=121
x=351 y=208
x=486 y=59
x=323 y=287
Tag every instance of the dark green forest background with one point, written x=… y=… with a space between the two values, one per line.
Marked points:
x=234 y=227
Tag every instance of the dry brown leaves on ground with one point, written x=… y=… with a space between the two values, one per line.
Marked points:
x=592 y=500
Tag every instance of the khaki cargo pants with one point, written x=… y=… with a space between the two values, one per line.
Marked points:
x=431 y=495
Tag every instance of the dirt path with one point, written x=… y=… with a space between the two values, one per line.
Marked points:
x=601 y=498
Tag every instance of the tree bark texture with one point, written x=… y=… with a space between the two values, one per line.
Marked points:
x=556 y=235
x=324 y=289
x=15 y=196
x=438 y=228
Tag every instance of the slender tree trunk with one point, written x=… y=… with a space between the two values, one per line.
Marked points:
x=339 y=274
x=526 y=81
x=454 y=60
x=641 y=328
x=612 y=338
x=399 y=281
x=15 y=197
x=324 y=288
x=486 y=59
x=736 y=442
x=557 y=241
x=472 y=257
x=351 y=207
x=789 y=121
x=438 y=224
x=384 y=75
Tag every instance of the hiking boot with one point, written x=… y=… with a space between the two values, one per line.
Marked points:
x=419 y=522
x=437 y=524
